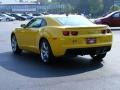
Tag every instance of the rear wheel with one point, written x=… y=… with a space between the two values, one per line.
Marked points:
x=46 y=52
x=14 y=45
x=98 y=57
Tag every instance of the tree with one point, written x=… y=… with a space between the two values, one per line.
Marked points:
x=67 y=6
x=96 y=6
x=68 y=9
x=93 y=7
x=114 y=8
x=107 y=4
x=80 y=6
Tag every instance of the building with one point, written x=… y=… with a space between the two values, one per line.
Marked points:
x=26 y=7
x=117 y=2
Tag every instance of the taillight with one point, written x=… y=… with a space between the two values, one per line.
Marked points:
x=66 y=33
x=104 y=31
x=74 y=33
x=108 y=31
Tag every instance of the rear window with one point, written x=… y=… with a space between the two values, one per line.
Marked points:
x=73 y=21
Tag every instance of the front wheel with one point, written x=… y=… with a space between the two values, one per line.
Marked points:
x=98 y=57
x=46 y=52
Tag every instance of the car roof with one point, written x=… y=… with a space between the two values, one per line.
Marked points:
x=111 y=13
x=62 y=15
x=51 y=18
x=56 y=15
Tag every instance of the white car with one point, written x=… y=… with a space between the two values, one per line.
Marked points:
x=5 y=17
x=35 y=15
x=1 y=18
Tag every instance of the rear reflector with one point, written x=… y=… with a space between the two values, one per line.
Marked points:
x=74 y=33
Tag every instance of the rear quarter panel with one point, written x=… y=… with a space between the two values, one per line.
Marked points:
x=59 y=43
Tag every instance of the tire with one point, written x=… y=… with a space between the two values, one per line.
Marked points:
x=7 y=19
x=14 y=45
x=98 y=57
x=46 y=54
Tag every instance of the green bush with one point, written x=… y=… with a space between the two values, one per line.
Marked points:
x=114 y=8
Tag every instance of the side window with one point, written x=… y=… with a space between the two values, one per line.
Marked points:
x=35 y=23
x=116 y=15
x=30 y=22
x=43 y=23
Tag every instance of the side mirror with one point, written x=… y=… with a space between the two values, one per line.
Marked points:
x=23 y=25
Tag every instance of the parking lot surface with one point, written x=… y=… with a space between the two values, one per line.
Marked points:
x=27 y=72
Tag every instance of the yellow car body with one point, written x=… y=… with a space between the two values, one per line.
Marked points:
x=28 y=38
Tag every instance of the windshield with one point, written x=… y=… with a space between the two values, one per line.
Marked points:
x=73 y=21
x=108 y=15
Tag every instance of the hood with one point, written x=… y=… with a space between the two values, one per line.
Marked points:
x=101 y=18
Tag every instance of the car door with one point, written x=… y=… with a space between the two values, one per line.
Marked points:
x=31 y=32
x=115 y=20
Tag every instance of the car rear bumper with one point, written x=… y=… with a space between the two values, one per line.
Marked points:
x=87 y=51
x=61 y=47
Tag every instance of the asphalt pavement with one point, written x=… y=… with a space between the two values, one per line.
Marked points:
x=27 y=72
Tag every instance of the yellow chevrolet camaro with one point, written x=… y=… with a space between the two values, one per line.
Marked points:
x=59 y=35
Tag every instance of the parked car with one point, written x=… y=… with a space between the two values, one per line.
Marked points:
x=37 y=15
x=58 y=35
x=18 y=17
x=112 y=19
x=25 y=16
x=5 y=17
x=1 y=18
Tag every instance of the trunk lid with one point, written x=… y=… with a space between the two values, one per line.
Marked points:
x=91 y=30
